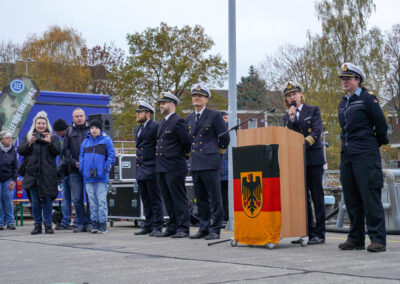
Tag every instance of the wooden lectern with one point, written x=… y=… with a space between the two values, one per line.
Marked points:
x=292 y=174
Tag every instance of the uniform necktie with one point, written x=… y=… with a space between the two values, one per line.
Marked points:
x=140 y=130
x=197 y=118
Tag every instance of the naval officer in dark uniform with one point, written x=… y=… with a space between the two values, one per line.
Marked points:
x=205 y=125
x=172 y=150
x=146 y=140
x=364 y=130
x=307 y=120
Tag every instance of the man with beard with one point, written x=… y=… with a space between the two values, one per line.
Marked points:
x=146 y=140
x=173 y=146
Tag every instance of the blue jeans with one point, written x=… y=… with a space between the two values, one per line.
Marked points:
x=77 y=195
x=41 y=205
x=97 y=193
x=6 y=203
x=66 y=203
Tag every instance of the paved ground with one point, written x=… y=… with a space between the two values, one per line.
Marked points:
x=120 y=257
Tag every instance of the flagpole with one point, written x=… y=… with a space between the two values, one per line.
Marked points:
x=232 y=110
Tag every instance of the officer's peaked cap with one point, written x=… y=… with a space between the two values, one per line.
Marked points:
x=291 y=86
x=168 y=97
x=351 y=70
x=143 y=106
x=200 y=89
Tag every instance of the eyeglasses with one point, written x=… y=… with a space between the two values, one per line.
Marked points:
x=347 y=78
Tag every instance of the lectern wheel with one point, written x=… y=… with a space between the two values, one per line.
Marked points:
x=304 y=241
x=270 y=245
x=234 y=243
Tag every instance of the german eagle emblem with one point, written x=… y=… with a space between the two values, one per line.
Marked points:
x=252 y=193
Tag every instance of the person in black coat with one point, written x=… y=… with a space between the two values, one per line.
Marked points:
x=146 y=140
x=205 y=126
x=8 y=179
x=307 y=120
x=173 y=147
x=364 y=130
x=40 y=149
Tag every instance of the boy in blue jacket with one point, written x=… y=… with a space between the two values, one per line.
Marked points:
x=95 y=161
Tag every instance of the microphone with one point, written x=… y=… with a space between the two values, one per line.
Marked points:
x=293 y=115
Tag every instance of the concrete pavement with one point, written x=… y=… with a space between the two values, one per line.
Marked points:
x=121 y=257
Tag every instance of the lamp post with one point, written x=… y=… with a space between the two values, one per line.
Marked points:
x=26 y=64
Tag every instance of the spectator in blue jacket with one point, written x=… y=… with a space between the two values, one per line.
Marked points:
x=8 y=178
x=95 y=161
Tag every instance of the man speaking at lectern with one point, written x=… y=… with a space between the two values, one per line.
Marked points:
x=307 y=120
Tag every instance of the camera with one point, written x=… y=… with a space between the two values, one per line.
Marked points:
x=38 y=136
x=93 y=173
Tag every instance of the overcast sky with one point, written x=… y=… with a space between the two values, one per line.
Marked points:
x=262 y=25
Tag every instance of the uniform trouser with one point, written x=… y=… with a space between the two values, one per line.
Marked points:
x=207 y=189
x=315 y=194
x=225 y=198
x=173 y=190
x=152 y=205
x=362 y=182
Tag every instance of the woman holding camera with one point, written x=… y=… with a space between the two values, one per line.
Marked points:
x=40 y=149
x=8 y=179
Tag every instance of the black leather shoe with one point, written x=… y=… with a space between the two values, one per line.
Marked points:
x=198 y=235
x=142 y=232
x=11 y=227
x=212 y=236
x=166 y=234
x=179 y=235
x=376 y=247
x=316 y=241
x=155 y=233
x=347 y=245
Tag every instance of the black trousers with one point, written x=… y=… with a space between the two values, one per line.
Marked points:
x=152 y=205
x=225 y=198
x=362 y=182
x=173 y=191
x=207 y=189
x=315 y=194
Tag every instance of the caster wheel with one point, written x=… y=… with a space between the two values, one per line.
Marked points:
x=111 y=223
x=234 y=243
x=304 y=241
x=270 y=245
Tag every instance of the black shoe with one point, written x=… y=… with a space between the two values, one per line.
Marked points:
x=295 y=242
x=376 y=247
x=316 y=241
x=142 y=232
x=11 y=227
x=166 y=234
x=80 y=229
x=212 y=236
x=1 y=228
x=88 y=228
x=155 y=233
x=179 y=235
x=37 y=230
x=198 y=235
x=48 y=230
x=60 y=227
x=347 y=245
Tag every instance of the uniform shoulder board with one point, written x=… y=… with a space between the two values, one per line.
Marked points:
x=371 y=93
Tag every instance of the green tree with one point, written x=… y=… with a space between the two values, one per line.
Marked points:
x=251 y=91
x=60 y=62
x=168 y=59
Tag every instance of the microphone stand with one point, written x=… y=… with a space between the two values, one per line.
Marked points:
x=236 y=127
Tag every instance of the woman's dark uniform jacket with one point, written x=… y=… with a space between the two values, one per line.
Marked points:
x=146 y=151
x=310 y=125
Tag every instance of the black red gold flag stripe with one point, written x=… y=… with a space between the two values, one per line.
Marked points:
x=256 y=191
